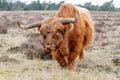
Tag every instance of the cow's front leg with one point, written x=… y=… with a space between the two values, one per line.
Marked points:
x=60 y=58
x=71 y=59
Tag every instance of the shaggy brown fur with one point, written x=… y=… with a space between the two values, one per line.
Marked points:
x=66 y=43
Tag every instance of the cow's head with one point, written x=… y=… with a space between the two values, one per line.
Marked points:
x=52 y=30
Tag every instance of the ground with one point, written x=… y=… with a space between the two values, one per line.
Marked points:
x=102 y=57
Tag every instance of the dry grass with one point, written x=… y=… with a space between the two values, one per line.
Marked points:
x=102 y=58
x=48 y=70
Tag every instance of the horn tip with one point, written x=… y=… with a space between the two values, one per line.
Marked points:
x=20 y=25
x=76 y=17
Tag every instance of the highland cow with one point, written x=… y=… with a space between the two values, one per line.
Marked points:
x=66 y=34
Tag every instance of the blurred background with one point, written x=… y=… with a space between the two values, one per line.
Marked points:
x=94 y=5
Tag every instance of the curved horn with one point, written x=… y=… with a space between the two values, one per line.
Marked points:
x=68 y=20
x=29 y=26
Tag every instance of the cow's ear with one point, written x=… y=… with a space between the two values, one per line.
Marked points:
x=71 y=27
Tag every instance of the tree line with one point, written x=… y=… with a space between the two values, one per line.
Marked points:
x=14 y=5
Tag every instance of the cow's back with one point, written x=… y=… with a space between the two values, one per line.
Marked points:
x=83 y=28
x=85 y=18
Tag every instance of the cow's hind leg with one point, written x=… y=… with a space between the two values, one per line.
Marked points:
x=81 y=55
x=60 y=58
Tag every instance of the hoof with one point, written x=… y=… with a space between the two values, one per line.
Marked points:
x=81 y=57
x=64 y=67
x=70 y=67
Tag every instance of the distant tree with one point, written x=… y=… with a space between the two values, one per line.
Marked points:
x=0 y=2
x=54 y=6
x=37 y=5
x=9 y=6
x=79 y=5
x=46 y=5
x=59 y=4
x=117 y=9
x=107 y=6
x=90 y=6
x=34 y=5
x=14 y=6
x=3 y=5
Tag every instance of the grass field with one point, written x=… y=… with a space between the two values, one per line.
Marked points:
x=20 y=50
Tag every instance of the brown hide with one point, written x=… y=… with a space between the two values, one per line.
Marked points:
x=66 y=45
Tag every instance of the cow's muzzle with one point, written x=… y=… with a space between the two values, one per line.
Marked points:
x=50 y=47
x=47 y=47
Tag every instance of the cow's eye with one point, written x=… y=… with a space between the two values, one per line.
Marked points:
x=48 y=32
